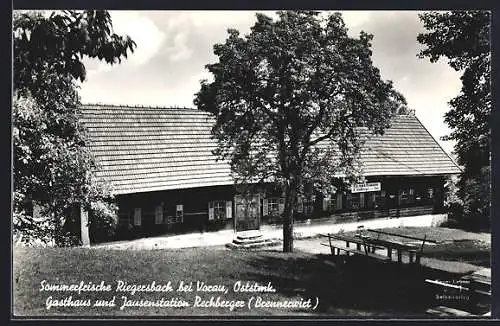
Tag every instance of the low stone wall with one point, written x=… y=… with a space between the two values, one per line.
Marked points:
x=356 y=216
x=304 y=230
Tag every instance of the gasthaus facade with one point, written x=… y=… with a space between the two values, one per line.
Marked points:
x=160 y=164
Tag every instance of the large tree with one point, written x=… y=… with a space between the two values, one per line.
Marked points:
x=52 y=164
x=289 y=99
x=463 y=37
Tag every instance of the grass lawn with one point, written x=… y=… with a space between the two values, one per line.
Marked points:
x=358 y=288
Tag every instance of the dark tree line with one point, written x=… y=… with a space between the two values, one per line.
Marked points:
x=53 y=166
x=463 y=38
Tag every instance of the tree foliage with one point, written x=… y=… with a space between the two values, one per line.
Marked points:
x=52 y=164
x=463 y=38
x=289 y=100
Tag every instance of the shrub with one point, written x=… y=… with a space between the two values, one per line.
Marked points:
x=103 y=220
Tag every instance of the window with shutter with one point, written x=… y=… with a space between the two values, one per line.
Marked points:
x=137 y=217
x=219 y=210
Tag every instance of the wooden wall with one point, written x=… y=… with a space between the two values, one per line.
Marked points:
x=196 y=206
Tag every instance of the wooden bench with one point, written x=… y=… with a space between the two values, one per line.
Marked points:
x=414 y=254
x=337 y=249
x=369 y=249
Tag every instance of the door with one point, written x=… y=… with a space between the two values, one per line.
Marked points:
x=247 y=212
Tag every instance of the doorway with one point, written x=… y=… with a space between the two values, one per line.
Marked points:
x=247 y=212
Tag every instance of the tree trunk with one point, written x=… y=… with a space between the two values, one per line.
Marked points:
x=288 y=214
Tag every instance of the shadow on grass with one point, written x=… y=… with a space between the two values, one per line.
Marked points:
x=354 y=285
x=468 y=251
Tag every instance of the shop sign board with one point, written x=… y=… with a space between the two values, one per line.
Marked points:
x=365 y=187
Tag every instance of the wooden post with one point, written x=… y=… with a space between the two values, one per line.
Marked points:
x=411 y=253
x=84 y=227
x=400 y=256
x=417 y=258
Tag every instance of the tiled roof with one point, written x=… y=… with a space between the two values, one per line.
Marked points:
x=406 y=148
x=144 y=149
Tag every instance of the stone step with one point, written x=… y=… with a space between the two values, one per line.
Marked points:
x=250 y=238
x=248 y=241
x=255 y=245
x=251 y=234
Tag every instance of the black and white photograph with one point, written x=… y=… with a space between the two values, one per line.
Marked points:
x=330 y=164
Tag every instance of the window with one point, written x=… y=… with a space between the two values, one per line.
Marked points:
x=218 y=210
x=332 y=202
x=353 y=201
x=179 y=214
x=273 y=206
x=308 y=207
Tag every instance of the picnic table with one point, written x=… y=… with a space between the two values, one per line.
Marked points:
x=415 y=250
x=362 y=247
x=366 y=245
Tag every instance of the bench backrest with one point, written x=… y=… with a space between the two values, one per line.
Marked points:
x=402 y=235
x=424 y=239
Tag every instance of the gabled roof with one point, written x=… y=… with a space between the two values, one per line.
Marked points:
x=406 y=148
x=143 y=149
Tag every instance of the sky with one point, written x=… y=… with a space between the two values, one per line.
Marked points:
x=173 y=48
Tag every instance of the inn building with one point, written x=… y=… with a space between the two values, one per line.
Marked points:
x=160 y=164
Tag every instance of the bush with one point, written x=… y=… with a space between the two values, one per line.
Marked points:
x=451 y=224
x=103 y=220
x=455 y=211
